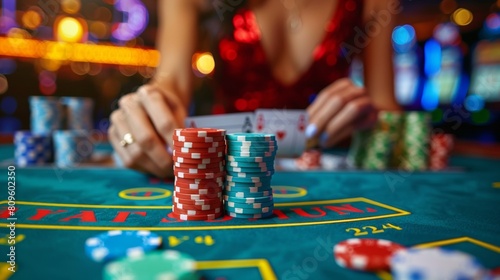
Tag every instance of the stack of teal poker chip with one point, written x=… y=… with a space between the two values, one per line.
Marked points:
x=249 y=169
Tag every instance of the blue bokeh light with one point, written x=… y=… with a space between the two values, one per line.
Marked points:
x=474 y=103
x=432 y=51
x=8 y=105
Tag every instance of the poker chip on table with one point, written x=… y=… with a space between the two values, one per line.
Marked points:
x=198 y=155
x=167 y=264
x=365 y=254
x=249 y=167
x=78 y=112
x=72 y=147
x=116 y=244
x=46 y=114
x=32 y=149
x=309 y=160
x=435 y=263
x=441 y=146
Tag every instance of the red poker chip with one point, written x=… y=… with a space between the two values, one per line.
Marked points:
x=206 y=160
x=211 y=175
x=198 y=155
x=200 y=132
x=198 y=145
x=365 y=254
x=199 y=166
x=198 y=186
x=198 y=171
x=197 y=139
x=200 y=150
x=208 y=191
x=196 y=218
x=195 y=212
x=196 y=207
x=200 y=181
x=215 y=201
x=198 y=196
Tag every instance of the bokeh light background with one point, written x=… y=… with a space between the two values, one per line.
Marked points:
x=104 y=49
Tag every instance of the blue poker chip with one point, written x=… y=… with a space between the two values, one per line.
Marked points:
x=248 y=185
x=250 y=174
x=245 y=194
x=268 y=164
x=250 y=137
x=435 y=263
x=32 y=149
x=271 y=154
x=250 y=149
x=116 y=244
x=251 y=216
x=248 y=169
x=255 y=205
x=46 y=114
x=231 y=158
x=262 y=210
x=252 y=144
x=248 y=199
x=72 y=147
x=231 y=178
x=248 y=189
x=79 y=112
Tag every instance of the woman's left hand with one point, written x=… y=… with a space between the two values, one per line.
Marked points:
x=338 y=111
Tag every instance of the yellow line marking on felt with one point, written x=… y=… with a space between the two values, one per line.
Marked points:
x=496 y=185
x=263 y=265
x=8 y=273
x=126 y=194
x=399 y=212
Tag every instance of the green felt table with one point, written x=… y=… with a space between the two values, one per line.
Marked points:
x=58 y=209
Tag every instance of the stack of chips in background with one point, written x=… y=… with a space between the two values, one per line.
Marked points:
x=400 y=141
x=48 y=141
x=249 y=167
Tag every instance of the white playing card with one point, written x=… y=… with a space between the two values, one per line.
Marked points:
x=233 y=123
x=288 y=126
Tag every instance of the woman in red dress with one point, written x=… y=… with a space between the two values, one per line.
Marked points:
x=277 y=54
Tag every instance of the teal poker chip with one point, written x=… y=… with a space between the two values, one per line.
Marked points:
x=250 y=174
x=250 y=137
x=262 y=210
x=248 y=199
x=251 y=149
x=250 y=216
x=231 y=178
x=246 y=194
x=234 y=158
x=248 y=185
x=252 y=144
x=254 y=205
x=269 y=165
x=252 y=154
x=249 y=169
x=117 y=243
x=248 y=189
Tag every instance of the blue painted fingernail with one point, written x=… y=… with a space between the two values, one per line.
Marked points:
x=169 y=150
x=323 y=138
x=311 y=130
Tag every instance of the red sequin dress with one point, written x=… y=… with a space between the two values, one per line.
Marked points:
x=244 y=79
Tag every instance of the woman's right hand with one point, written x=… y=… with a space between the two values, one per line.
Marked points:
x=141 y=129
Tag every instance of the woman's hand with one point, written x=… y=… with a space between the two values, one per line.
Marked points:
x=141 y=129
x=339 y=110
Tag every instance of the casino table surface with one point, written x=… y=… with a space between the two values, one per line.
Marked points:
x=58 y=209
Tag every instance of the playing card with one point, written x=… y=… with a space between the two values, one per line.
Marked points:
x=288 y=126
x=233 y=123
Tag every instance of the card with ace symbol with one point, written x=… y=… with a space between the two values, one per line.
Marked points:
x=288 y=126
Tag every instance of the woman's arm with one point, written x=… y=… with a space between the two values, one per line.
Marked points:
x=379 y=21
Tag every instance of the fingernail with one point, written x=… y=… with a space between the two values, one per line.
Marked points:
x=169 y=150
x=311 y=130
x=323 y=138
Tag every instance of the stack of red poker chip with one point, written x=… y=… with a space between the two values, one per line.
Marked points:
x=198 y=155
x=309 y=160
x=441 y=146
x=365 y=254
